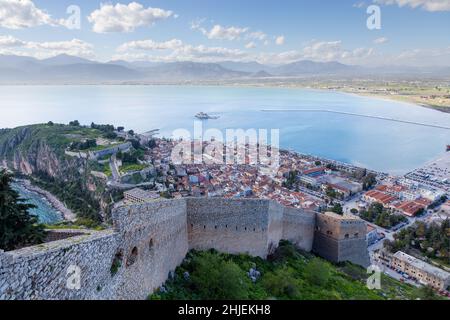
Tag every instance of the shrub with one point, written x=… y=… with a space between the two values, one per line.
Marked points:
x=317 y=272
x=215 y=278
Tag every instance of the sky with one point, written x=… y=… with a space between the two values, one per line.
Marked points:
x=367 y=32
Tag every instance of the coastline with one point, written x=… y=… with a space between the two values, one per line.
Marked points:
x=67 y=214
x=398 y=98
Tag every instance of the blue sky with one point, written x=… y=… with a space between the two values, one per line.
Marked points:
x=415 y=33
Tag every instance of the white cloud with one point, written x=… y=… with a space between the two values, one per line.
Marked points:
x=334 y=51
x=257 y=35
x=9 y=41
x=150 y=45
x=19 y=14
x=428 y=5
x=359 y=5
x=178 y=51
x=219 y=32
x=280 y=40
x=125 y=18
x=423 y=57
x=223 y=33
x=74 y=47
x=380 y=40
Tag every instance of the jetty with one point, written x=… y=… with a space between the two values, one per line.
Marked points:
x=360 y=115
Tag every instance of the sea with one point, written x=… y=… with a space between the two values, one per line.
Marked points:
x=44 y=211
x=374 y=143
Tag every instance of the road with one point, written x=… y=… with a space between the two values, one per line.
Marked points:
x=114 y=168
x=389 y=235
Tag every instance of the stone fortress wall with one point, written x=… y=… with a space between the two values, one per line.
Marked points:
x=148 y=241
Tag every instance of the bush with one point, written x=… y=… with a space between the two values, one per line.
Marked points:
x=281 y=283
x=317 y=272
x=217 y=279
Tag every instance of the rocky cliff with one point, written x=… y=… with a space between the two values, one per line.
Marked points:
x=37 y=151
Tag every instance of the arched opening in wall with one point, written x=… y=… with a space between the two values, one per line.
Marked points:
x=347 y=236
x=215 y=227
x=204 y=227
x=356 y=235
x=132 y=257
x=151 y=245
x=116 y=263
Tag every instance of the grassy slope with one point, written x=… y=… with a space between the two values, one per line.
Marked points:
x=289 y=274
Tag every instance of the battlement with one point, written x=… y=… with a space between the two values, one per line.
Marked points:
x=150 y=240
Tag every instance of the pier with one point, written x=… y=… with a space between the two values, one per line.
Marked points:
x=360 y=115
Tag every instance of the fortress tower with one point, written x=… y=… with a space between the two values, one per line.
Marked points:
x=341 y=238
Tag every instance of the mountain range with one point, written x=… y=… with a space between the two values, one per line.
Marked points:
x=70 y=69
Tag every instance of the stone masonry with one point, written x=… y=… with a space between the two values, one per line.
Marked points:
x=148 y=241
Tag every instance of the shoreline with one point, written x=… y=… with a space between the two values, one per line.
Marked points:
x=67 y=214
x=398 y=98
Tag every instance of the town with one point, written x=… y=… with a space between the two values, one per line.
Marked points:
x=140 y=166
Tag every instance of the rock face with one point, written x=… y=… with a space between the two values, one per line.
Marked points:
x=26 y=151
x=149 y=241
x=38 y=151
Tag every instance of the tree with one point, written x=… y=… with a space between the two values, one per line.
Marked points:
x=17 y=227
x=281 y=283
x=369 y=181
x=337 y=208
x=217 y=279
x=74 y=123
x=317 y=272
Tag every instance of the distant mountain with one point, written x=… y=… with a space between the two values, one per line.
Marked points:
x=64 y=59
x=250 y=67
x=305 y=67
x=191 y=71
x=20 y=62
x=62 y=68
x=134 y=64
x=69 y=69
x=261 y=74
x=88 y=72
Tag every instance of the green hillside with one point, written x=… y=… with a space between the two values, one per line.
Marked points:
x=287 y=275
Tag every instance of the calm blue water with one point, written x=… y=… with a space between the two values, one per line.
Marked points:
x=372 y=143
x=44 y=211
